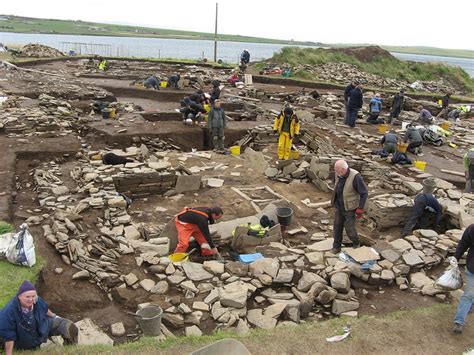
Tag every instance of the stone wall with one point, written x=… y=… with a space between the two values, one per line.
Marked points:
x=140 y=184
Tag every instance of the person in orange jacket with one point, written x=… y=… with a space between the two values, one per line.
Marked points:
x=194 y=222
x=287 y=125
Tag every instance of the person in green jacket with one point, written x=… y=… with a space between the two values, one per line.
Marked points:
x=469 y=168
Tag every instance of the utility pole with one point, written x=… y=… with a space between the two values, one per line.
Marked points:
x=215 y=37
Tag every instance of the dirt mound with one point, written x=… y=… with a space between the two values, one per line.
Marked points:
x=365 y=54
x=39 y=51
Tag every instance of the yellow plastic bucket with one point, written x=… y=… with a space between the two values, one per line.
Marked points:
x=445 y=125
x=112 y=113
x=96 y=157
x=383 y=128
x=420 y=165
x=294 y=154
x=402 y=147
x=177 y=257
x=235 y=150
x=164 y=84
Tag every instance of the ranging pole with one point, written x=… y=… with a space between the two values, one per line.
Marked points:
x=215 y=37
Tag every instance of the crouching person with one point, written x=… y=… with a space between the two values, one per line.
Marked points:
x=194 y=222
x=26 y=322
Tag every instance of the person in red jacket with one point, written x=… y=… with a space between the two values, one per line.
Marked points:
x=194 y=222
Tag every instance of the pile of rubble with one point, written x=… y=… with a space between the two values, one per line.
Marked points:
x=39 y=51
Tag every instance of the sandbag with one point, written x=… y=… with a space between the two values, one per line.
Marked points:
x=21 y=249
x=451 y=278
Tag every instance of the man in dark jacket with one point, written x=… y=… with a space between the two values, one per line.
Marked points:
x=426 y=212
x=347 y=92
x=217 y=122
x=216 y=91
x=354 y=105
x=26 y=321
x=245 y=57
x=173 y=80
x=397 y=105
x=348 y=198
x=467 y=299
x=194 y=222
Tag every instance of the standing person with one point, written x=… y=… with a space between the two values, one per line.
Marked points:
x=389 y=142
x=469 y=168
x=426 y=212
x=397 y=105
x=467 y=299
x=444 y=106
x=173 y=80
x=414 y=139
x=26 y=322
x=354 y=105
x=348 y=198
x=217 y=122
x=194 y=222
x=375 y=106
x=347 y=93
x=103 y=64
x=216 y=91
x=287 y=125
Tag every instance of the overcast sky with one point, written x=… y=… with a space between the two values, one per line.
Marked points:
x=437 y=23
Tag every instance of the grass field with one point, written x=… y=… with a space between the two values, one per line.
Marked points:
x=11 y=277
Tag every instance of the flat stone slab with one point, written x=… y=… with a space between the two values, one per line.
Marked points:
x=401 y=245
x=90 y=334
x=363 y=254
x=324 y=245
x=412 y=259
x=196 y=272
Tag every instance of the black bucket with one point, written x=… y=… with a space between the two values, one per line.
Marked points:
x=284 y=215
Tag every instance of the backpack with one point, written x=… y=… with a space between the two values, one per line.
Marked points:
x=432 y=138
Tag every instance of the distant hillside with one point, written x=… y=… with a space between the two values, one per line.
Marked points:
x=19 y=24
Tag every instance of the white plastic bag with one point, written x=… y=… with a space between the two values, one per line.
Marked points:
x=451 y=278
x=21 y=250
x=5 y=240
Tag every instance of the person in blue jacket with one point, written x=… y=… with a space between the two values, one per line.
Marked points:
x=375 y=106
x=26 y=322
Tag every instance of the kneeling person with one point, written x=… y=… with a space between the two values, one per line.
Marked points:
x=194 y=222
x=26 y=321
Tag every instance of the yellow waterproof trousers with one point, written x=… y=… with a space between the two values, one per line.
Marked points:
x=284 y=146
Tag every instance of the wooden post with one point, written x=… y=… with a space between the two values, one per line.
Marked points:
x=215 y=37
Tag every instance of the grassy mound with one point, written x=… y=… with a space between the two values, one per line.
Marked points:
x=384 y=66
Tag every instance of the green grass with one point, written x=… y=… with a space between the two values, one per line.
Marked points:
x=11 y=277
x=460 y=53
x=369 y=332
x=5 y=227
x=386 y=67
x=48 y=26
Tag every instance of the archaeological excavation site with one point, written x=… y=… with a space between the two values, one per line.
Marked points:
x=99 y=167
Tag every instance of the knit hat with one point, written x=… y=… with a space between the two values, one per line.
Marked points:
x=25 y=287
x=429 y=182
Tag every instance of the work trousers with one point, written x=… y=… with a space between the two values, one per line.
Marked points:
x=185 y=232
x=467 y=299
x=413 y=145
x=374 y=118
x=394 y=114
x=469 y=178
x=390 y=147
x=344 y=220
x=284 y=146
x=352 y=116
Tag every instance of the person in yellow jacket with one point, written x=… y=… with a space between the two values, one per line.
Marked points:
x=287 y=125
